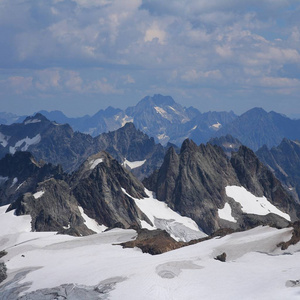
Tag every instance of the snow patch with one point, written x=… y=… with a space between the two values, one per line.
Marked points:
x=133 y=164
x=226 y=214
x=95 y=163
x=252 y=204
x=4 y=139
x=163 y=217
x=27 y=141
x=163 y=138
x=126 y=119
x=91 y=223
x=32 y=121
x=216 y=126
x=15 y=180
x=161 y=111
x=38 y=194
x=67 y=227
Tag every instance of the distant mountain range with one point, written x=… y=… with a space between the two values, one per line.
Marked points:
x=120 y=187
x=166 y=121
x=59 y=144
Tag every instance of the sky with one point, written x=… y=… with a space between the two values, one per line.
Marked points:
x=80 y=56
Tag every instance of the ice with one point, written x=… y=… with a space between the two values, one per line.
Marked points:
x=252 y=204
x=133 y=164
x=25 y=143
x=94 y=163
x=225 y=213
x=91 y=223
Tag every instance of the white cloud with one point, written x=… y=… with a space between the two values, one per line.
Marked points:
x=80 y=47
x=194 y=75
x=154 y=32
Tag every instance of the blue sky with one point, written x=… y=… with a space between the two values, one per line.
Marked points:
x=80 y=56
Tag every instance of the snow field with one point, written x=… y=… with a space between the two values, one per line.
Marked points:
x=91 y=223
x=27 y=141
x=163 y=217
x=255 y=268
x=252 y=204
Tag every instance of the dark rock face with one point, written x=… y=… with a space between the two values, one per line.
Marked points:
x=193 y=183
x=54 y=210
x=100 y=187
x=21 y=173
x=48 y=141
x=294 y=239
x=99 y=192
x=284 y=162
x=3 y=270
x=228 y=143
x=59 y=144
x=259 y=180
x=133 y=145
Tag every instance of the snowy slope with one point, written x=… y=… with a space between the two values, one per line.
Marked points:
x=252 y=204
x=255 y=267
x=162 y=217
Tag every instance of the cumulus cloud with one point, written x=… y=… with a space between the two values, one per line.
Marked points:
x=80 y=47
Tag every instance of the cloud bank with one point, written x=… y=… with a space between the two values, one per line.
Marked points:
x=82 y=55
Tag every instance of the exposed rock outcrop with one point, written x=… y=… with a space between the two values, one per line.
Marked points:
x=193 y=183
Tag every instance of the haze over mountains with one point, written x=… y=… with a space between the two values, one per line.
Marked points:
x=146 y=170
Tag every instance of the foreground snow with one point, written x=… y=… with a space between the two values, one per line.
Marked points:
x=255 y=267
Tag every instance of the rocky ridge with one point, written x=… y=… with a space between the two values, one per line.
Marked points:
x=194 y=183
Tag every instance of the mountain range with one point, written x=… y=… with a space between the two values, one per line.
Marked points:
x=114 y=184
x=166 y=121
x=59 y=144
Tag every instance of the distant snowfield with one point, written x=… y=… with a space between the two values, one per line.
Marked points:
x=4 y=139
x=32 y=121
x=252 y=204
x=255 y=267
x=25 y=143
